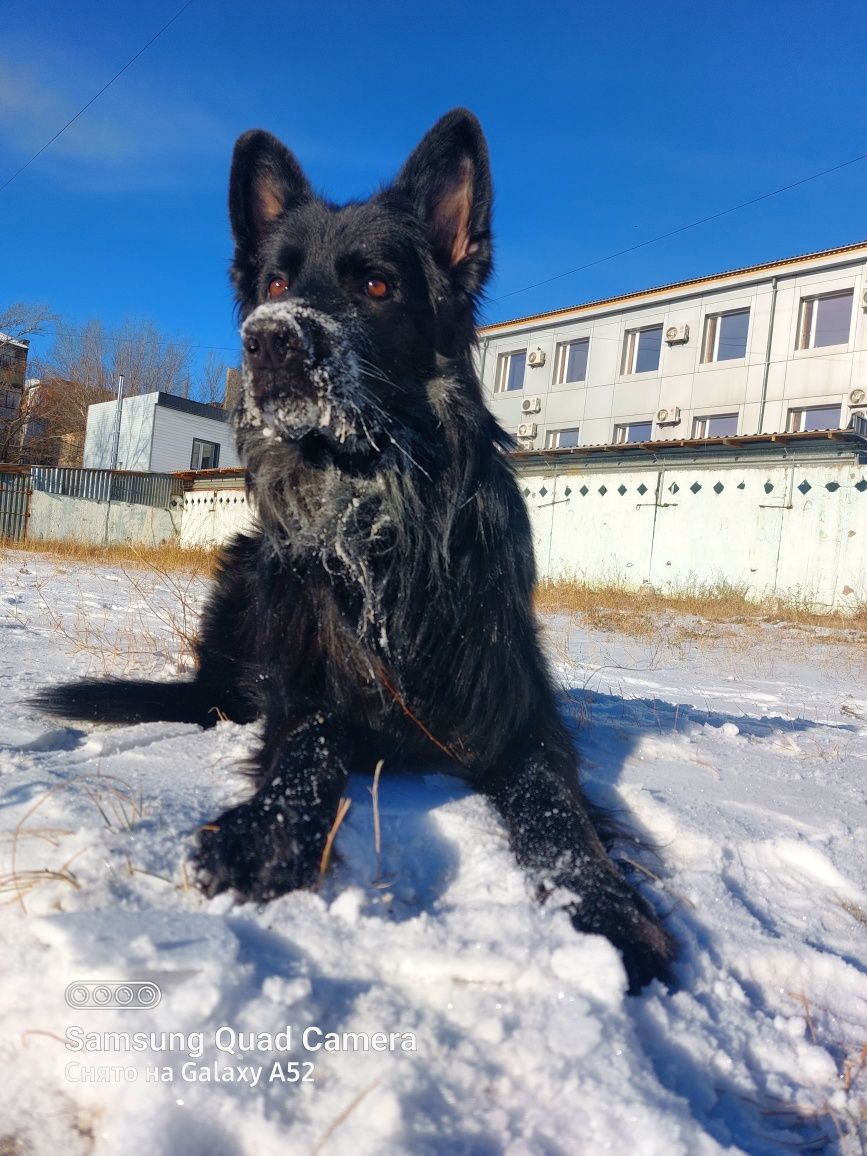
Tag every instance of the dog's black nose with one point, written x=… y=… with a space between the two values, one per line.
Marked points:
x=271 y=343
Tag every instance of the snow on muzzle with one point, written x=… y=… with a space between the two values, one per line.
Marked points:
x=300 y=372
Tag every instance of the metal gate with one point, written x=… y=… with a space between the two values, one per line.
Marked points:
x=15 y=490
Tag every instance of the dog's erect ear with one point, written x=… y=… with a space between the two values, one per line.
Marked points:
x=448 y=180
x=266 y=180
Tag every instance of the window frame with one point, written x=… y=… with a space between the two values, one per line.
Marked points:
x=619 y=427
x=712 y=332
x=631 y=348
x=562 y=361
x=808 y=314
x=552 y=437
x=197 y=442
x=504 y=361
x=801 y=410
x=710 y=417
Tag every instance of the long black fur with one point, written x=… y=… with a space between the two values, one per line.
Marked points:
x=381 y=608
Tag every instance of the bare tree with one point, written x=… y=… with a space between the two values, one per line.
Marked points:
x=82 y=368
x=212 y=380
x=54 y=420
x=97 y=356
x=46 y=424
x=21 y=321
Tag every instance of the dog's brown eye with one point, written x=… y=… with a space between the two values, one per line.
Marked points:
x=277 y=287
x=377 y=288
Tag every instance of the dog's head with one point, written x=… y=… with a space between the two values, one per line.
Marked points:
x=351 y=312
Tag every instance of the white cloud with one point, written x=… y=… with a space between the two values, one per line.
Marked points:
x=136 y=135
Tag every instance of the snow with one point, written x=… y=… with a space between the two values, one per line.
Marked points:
x=737 y=751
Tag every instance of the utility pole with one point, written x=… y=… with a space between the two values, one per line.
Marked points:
x=115 y=446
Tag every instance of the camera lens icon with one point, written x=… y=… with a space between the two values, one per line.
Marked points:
x=105 y=994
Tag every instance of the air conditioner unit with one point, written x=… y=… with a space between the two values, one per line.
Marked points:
x=531 y=405
x=668 y=416
x=527 y=430
x=677 y=334
x=536 y=358
x=857 y=397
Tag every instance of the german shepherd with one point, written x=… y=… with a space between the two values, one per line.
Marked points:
x=381 y=607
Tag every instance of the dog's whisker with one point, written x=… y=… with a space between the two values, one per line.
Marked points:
x=357 y=411
x=403 y=450
x=375 y=371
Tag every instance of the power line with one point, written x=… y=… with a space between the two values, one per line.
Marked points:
x=57 y=328
x=96 y=97
x=683 y=228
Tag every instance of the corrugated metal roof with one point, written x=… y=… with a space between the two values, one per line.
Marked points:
x=227 y=477
x=849 y=437
x=856 y=439
x=786 y=261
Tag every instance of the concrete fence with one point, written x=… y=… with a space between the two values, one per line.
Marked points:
x=214 y=509
x=792 y=527
x=780 y=515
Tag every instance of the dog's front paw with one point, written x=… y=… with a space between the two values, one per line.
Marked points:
x=606 y=904
x=628 y=922
x=259 y=852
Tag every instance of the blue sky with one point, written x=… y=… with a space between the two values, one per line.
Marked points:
x=608 y=124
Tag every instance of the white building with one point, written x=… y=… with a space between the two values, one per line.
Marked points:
x=775 y=347
x=159 y=433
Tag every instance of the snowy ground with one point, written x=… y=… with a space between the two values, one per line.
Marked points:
x=739 y=752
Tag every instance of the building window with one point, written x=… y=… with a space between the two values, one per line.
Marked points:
x=633 y=431
x=825 y=320
x=206 y=455
x=510 y=370
x=560 y=439
x=10 y=399
x=725 y=336
x=814 y=417
x=642 y=349
x=720 y=425
x=572 y=361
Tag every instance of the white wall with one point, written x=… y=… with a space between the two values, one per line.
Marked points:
x=608 y=396
x=174 y=431
x=796 y=529
x=136 y=432
x=213 y=516
x=153 y=437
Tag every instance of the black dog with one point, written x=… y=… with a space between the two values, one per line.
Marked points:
x=382 y=607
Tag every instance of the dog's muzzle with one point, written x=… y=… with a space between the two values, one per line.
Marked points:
x=301 y=379
x=272 y=347
x=284 y=342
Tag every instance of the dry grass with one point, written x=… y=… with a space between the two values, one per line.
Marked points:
x=610 y=606
x=167 y=557
x=118 y=804
x=640 y=613
x=837 y=1122
x=342 y=812
x=166 y=582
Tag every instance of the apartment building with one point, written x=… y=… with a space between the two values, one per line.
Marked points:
x=13 y=370
x=770 y=348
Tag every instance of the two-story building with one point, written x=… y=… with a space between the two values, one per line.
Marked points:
x=771 y=348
